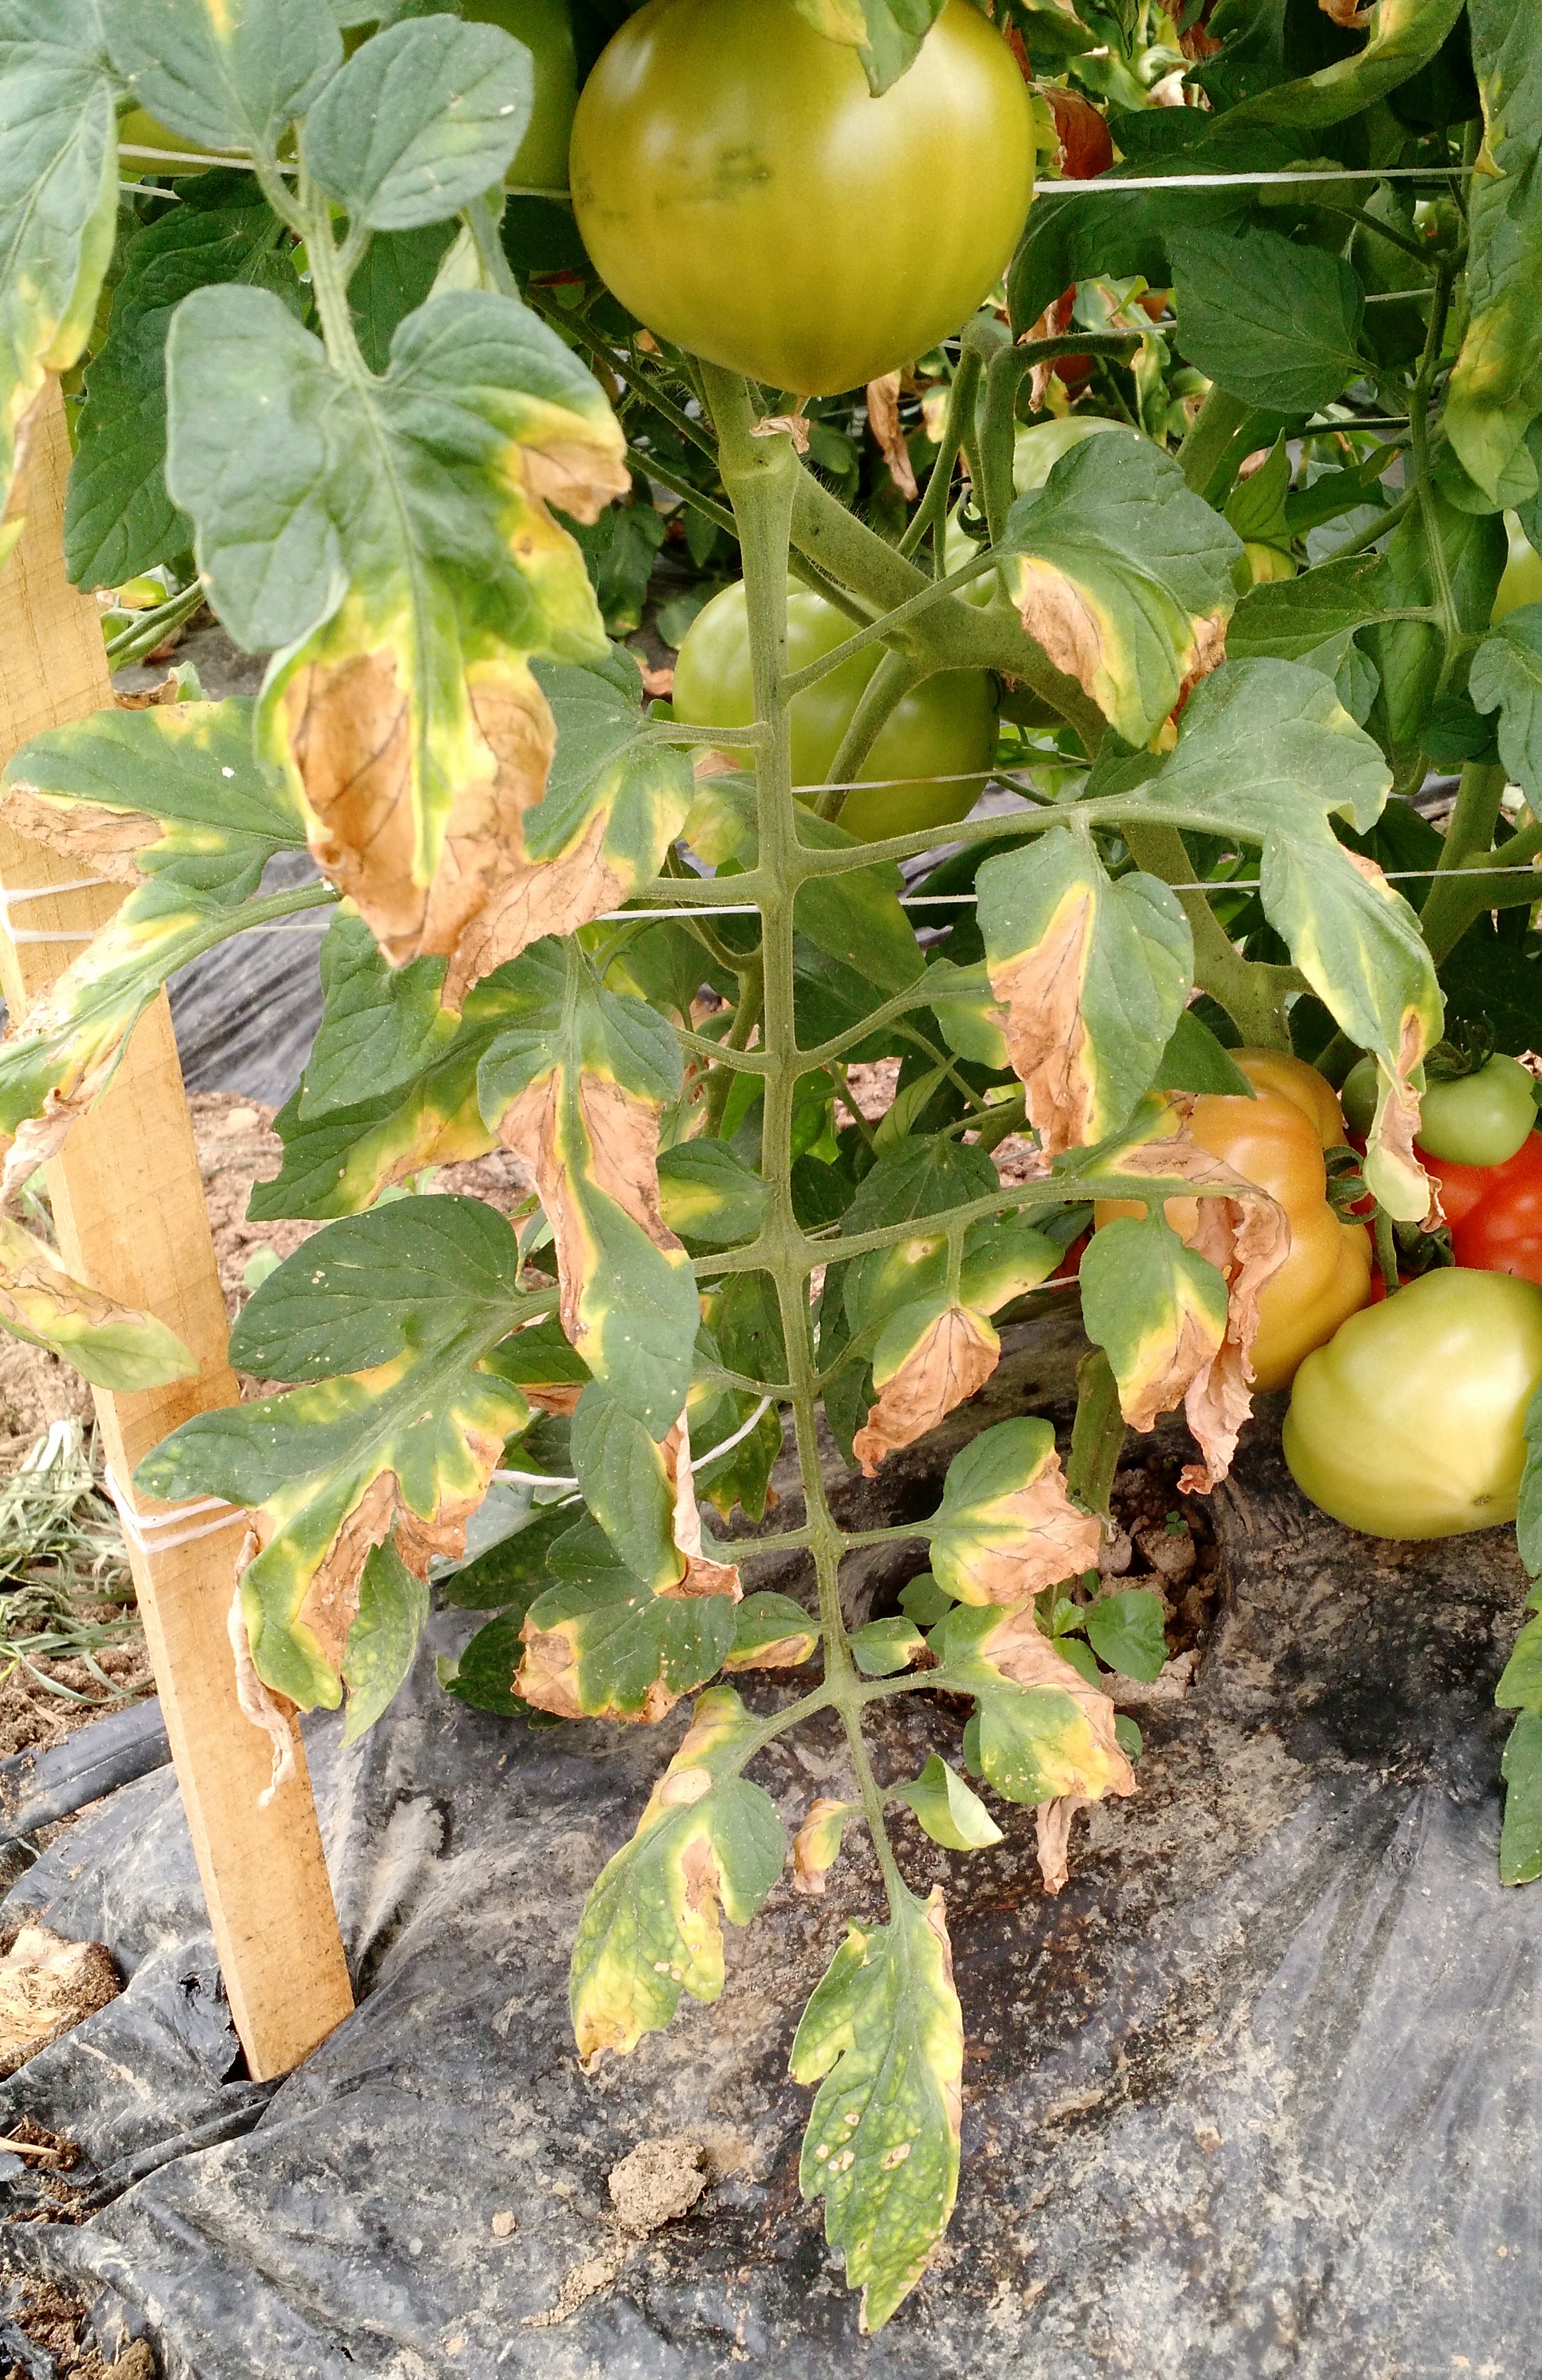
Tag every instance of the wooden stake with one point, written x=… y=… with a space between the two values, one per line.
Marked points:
x=130 y=1209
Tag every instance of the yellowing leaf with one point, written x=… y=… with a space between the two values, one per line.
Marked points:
x=599 y=1643
x=947 y=1810
x=771 y=1631
x=114 y=1346
x=883 y=2036
x=649 y=1928
x=1093 y=975
x=1005 y=1528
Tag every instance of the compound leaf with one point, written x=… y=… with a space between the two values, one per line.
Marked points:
x=883 y=2037
x=708 y=1838
x=386 y=1319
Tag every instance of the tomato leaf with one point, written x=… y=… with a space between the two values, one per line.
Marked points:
x=1045 y=1731
x=114 y=1346
x=1407 y=33
x=599 y=1643
x=118 y=517
x=386 y=1319
x=1520 y=1839
x=171 y=794
x=707 y=1194
x=771 y=1631
x=1093 y=975
x=947 y=1809
x=883 y=2037
x=1520 y=1687
x=884 y=1647
x=393 y=1606
x=1292 y=619
x=1126 y=1631
x=409 y=592
x=626 y=1485
x=1005 y=1528
x=1276 y=325
x=575 y=1087
x=1267 y=752
x=1409 y=654
x=649 y=1928
x=58 y=204
x=419 y=121
x=855 y=917
x=1507 y=677
x=1124 y=576
x=1496 y=382
x=225 y=78
x=886 y=35
x=1194 y=1060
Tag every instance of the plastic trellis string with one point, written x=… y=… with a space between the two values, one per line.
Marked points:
x=516 y=937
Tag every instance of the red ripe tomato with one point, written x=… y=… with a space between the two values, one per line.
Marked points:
x=1495 y=1211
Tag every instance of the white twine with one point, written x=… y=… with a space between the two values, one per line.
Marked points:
x=699 y=1462
x=147 y=1532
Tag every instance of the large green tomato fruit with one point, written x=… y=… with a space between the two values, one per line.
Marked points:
x=945 y=728
x=541 y=161
x=1409 y=1423
x=741 y=191
x=1479 y=1119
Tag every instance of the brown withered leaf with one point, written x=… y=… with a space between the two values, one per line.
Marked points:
x=883 y=420
x=154 y=697
x=104 y=839
x=998 y=1545
x=817 y=1844
x=956 y=1355
x=702 y=1577
x=1046 y=1033
x=773 y=425
x=1020 y=1649
x=1052 y=1824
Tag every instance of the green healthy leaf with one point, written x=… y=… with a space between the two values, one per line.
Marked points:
x=1275 y=325
x=396 y=276
x=1266 y=752
x=575 y=1087
x=771 y=1631
x=1123 y=574
x=886 y=35
x=884 y=1647
x=970 y=1018
x=1528 y=1518
x=381 y=1026
x=1255 y=506
x=421 y=120
x=1004 y=1528
x=1126 y=1631
x=172 y=795
x=485 y=1672
x=513 y=1572
x=707 y=1194
x=857 y=917
x=649 y=1928
x=1495 y=384
x=1409 y=654
x=626 y=1487
x=1292 y=619
x=224 y=74
x=1507 y=677
x=58 y=206
x=1194 y=1060
x=118 y=517
x=1093 y=974
x=386 y=1319
x=112 y=1346
x=599 y=1643
x=883 y=2036
x=393 y=1606
x=1406 y=33
x=924 y=1601
x=408 y=597
x=1520 y=1840
x=947 y=1810
x=1520 y=1687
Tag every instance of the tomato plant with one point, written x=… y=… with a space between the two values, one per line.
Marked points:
x=1412 y=1424
x=423 y=442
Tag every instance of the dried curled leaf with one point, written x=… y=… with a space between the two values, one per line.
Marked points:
x=1006 y=1527
x=923 y=1366
x=1178 y=1322
x=883 y=420
x=708 y=1838
x=1052 y=1824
